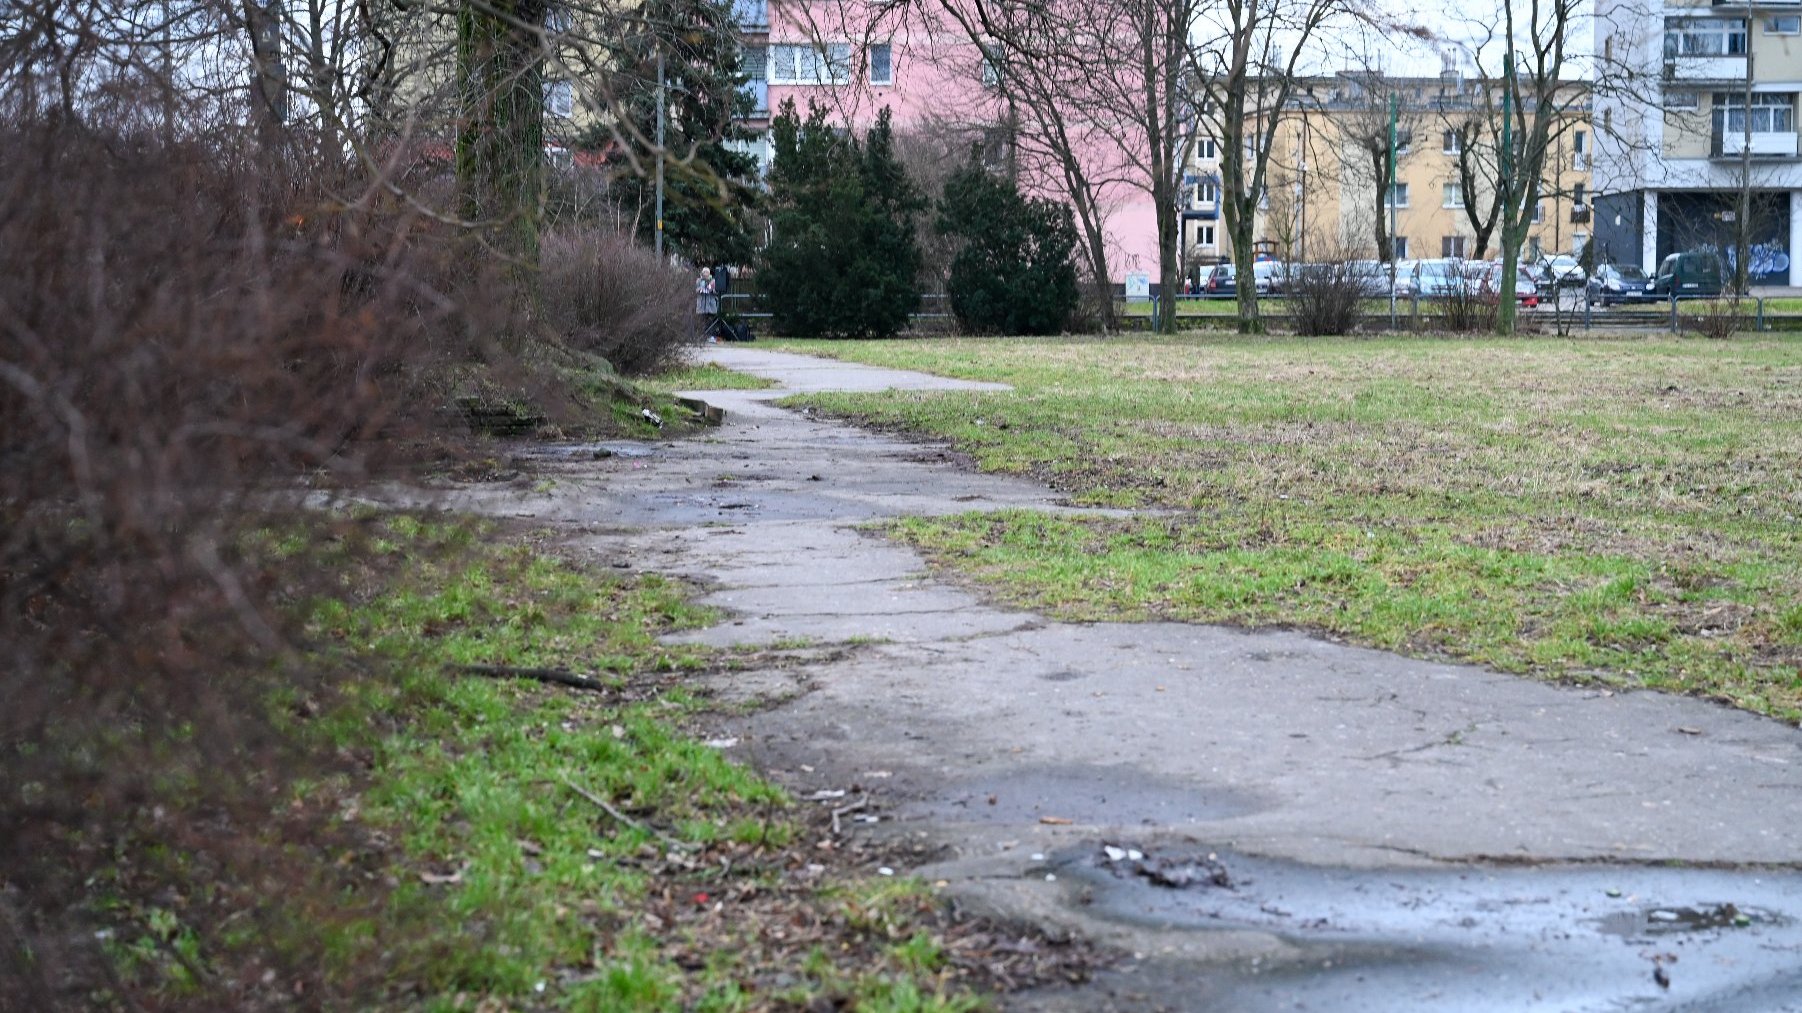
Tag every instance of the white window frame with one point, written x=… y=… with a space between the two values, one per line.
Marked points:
x=1451 y=142
x=1538 y=212
x=1704 y=37
x=1207 y=192
x=560 y=98
x=1207 y=148
x=1401 y=246
x=1204 y=235
x=1783 y=24
x=1772 y=112
x=806 y=63
x=1396 y=190
x=1452 y=195
x=1404 y=140
x=1452 y=246
x=888 y=56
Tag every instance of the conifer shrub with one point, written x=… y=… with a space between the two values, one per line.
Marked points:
x=1014 y=273
x=843 y=260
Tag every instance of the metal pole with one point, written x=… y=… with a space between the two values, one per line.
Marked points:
x=662 y=101
x=1389 y=194
x=1742 y=246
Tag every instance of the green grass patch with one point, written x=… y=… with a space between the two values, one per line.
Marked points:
x=1620 y=510
x=686 y=897
x=705 y=376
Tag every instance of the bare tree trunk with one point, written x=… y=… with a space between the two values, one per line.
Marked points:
x=500 y=141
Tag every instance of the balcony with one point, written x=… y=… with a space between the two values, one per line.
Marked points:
x=760 y=100
x=1579 y=214
x=751 y=16
x=1702 y=69
x=1765 y=145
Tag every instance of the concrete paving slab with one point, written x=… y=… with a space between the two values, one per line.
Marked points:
x=1002 y=738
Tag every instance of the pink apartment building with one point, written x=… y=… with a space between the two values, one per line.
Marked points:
x=935 y=82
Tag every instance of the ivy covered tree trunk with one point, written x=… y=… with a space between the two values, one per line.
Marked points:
x=500 y=136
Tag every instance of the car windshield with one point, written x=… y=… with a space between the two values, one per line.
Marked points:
x=1629 y=273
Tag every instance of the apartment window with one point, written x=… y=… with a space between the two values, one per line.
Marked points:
x=1773 y=113
x=1207 y=192
x=1404 y=139
x=1787 y=25
x=882 y=64
x=1454 y=195
x=1608 y=49
x=991 y=65
x=559 y=98
x=1398 y=196
x=1207 y=148
x=1451 y=246
x=1579 y=195
x=1538 y=211
x=805 y=63
x=1401 y=247
x=1681 y=100
x=1205 y=235
x=1579 y=141
x=1534 y=247
x=1451 y=142
x=1704 y=36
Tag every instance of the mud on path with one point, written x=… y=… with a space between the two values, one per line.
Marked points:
x=1315 y=825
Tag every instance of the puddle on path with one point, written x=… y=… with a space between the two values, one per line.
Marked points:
x=1468 y=938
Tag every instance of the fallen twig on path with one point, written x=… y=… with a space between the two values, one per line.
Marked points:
x=846 y=810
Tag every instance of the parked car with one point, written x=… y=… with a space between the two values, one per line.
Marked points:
x=1562 y=271
x=1406 y=283
x=1614 y=283
x=1487 y=275
x=1436 y=279
x=1270 y=276
x=1689 y=274
x=1222 y=280
x=1373 y=277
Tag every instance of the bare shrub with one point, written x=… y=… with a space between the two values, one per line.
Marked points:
x=1326 y=299
x=179 y=340
x=1467 y=309
x=605 y=294
x=1719 y=319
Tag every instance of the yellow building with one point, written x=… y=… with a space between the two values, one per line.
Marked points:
x=1322 y=190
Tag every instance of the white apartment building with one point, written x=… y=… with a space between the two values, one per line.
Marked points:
x=1680 y=83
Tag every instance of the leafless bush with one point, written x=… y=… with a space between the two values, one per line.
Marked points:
x=179 y=341
x=1467 y=309
x=1326 y=299
x=1719 y=319
x=605 y=294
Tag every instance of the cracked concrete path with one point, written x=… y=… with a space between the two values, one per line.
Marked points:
x=1015 y=746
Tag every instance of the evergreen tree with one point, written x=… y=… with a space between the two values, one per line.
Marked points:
x=1014 y=273
x=710 y=189
x=844 y=260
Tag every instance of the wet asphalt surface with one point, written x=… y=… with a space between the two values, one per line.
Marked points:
x=1385 y=834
